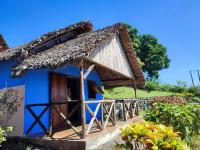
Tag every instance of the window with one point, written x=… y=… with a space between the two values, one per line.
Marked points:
x=93 y=89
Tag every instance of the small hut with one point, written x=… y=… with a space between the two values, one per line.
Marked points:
x=61 y=75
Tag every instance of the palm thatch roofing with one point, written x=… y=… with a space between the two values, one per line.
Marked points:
x=77 y=48
x=24 y=50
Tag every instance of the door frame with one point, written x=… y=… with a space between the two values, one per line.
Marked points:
x=50 y=88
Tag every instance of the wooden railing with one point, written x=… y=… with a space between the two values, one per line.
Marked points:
x=106 y=107
x=107 y=112
x=130 y=108
x=52 y=106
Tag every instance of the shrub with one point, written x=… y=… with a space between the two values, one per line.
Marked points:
x=184 y=118
x=194 y=90
x=9 y=104
x=177 y=89
x=4 y=132
x=151 y=86
x=152 y=136
x=165 y=87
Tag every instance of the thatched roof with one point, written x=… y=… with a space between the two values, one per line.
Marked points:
x=81 y=47
x=24 y=50
x=66 y=52
x=3 y=44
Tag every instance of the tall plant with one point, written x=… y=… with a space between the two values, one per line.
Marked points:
x=9 y=104
x=150 y=136
x=184 y=118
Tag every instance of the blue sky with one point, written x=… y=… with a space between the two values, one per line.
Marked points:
x=176 y=24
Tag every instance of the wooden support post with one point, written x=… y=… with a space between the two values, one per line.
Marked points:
x=102 y=114
x=82 y=96
x=136 y=109
x=51 y=122
x=114 y=113
x=124 y=111
x=88 y=71
x=135 y=89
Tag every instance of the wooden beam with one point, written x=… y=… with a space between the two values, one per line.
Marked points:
x=136 y=109
x=53 y=103
x=124 y=111
x=88 y=71
x=135 y=89
x=114 y=114
x=102 y=116
x=118 y=79
x=109 y=116
x=51 y=122
x=107 y=112
x=66 y=120
x=73 y=110
x=82 y=96
x=37 y=120
x=93 y=114
x=128 y=109
x=106 y=68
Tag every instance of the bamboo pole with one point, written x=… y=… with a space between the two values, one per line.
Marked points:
x=198 y=75
x=82 y=96
x=192 y=78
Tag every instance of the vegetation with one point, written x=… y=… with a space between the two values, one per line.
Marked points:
x=8 y=106
x=152 y=54
x=4 y=132
x=181 y=88
x=152 y=136
x=126 y=92
x=183 y=118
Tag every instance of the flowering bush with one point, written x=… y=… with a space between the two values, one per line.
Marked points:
x=183 y=118
x=150 y=136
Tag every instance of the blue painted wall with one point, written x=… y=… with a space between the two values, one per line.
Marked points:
x=37 y=89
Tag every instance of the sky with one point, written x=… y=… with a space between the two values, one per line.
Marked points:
x=176 y=24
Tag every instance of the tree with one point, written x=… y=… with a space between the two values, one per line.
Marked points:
x=150 y=52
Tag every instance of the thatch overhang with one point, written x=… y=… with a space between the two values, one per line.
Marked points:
x=76 y=49
x=21 y=52
x=111 y=78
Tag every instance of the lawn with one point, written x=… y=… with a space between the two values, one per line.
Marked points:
x=126 y=92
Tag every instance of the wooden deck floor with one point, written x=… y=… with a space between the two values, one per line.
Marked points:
x=68 y=140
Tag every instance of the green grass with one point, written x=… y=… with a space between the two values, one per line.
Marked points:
x=125 y=92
